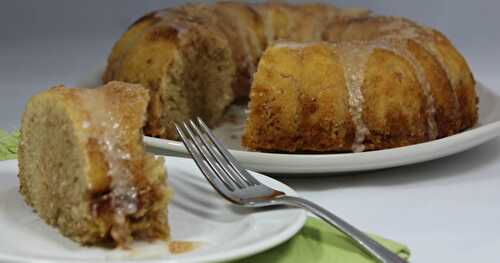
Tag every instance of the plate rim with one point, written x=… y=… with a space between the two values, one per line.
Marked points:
x=238 y=253
x=485 y=131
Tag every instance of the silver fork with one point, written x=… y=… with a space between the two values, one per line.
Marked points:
x=234 y=183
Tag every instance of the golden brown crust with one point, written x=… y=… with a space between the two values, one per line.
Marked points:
x=443 y=64
x=293 y=112
x=185 y=62
x=435 y=95
x=395 y=107
x=236 y=28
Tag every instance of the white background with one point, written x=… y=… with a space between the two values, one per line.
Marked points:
x=43 y=43
x=446 y=210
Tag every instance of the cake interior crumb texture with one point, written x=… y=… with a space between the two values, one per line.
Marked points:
x=83 y=167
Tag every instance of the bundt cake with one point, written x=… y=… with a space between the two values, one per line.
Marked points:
x=83 y=167
x=328 y=79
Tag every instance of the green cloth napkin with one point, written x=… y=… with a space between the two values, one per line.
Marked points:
x=8 y=144
x=319 y=242
x=315 y=242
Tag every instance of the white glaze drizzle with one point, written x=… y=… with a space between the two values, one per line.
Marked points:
x=354 y=58
x=354 y=62
x=400 y=48
x=403 y=29
x=294 y=45
x=106 y=131
x=393 y=38
x=397 y=29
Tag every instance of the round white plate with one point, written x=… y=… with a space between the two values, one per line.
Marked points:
x=197 y=214
x=487 y=128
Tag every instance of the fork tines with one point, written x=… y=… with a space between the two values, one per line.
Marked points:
x=211 y=156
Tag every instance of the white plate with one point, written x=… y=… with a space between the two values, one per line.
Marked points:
x=197 y=213
x=487 y=129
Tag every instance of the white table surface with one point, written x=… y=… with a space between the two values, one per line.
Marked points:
x=447 y=210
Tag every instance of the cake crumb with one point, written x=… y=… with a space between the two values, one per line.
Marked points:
x=180 y=246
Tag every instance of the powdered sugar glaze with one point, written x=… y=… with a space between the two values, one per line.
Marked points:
x=393 y=38
x=105 y=129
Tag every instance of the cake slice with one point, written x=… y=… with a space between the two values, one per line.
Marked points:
x=83 y=167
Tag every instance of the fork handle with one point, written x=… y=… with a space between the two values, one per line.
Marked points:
x=361 y=239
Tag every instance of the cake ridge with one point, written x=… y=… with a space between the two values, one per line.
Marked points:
x=354 y=56
x=434 y=73
x=400 y=49
x=401 y=28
